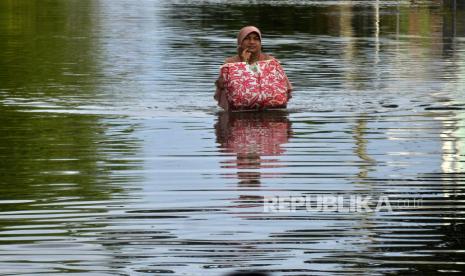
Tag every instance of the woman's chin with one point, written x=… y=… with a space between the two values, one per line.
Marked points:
x=254 y=52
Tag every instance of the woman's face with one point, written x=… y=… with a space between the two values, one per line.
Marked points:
x=252 y=43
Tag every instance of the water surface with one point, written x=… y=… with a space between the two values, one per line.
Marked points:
x=115 y=159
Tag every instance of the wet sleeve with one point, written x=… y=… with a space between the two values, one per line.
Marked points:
x=289 y=87
x=288 y=83
x=220 y=92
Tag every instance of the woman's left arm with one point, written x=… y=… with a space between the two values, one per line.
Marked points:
x=288 y=83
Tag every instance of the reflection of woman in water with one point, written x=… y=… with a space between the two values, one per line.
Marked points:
x=251 y=79
x=251 y=135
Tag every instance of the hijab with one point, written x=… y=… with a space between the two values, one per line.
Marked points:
x=243 y=33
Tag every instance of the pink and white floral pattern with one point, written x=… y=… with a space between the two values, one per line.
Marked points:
x=258 y=86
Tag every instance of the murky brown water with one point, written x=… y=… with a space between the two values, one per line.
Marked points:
x=116 y=161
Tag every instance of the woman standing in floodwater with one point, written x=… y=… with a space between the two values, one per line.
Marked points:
x=252 y=80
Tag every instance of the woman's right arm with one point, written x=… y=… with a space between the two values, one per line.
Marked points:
x=220 y=93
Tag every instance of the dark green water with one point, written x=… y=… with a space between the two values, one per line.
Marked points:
x=115 y=160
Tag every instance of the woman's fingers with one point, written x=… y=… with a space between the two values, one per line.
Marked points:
x=246 y=55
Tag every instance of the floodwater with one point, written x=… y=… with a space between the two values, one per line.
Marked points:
x=115 y=159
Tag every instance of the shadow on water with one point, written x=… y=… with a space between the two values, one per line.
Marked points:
x=251 y=137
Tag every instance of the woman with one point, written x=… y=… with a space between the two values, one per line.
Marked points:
x=252 y=80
